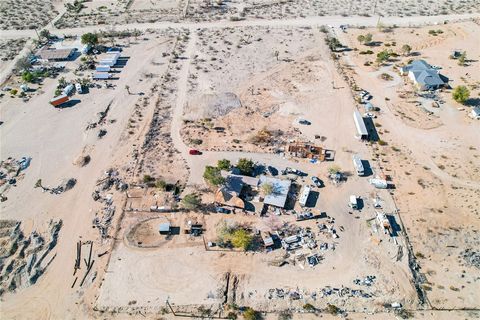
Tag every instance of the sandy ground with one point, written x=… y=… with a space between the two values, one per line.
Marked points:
x=437 y=206
x=53 y=149
x=438 y=187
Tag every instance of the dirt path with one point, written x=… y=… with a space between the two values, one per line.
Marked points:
x=308 y=21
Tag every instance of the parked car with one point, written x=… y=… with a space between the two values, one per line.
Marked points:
x=304 y=122
x=222 y=210
x=273 y=171
x=194 y=152
x=317 y=182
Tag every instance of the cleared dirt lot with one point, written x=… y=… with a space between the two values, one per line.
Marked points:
x=202 y=274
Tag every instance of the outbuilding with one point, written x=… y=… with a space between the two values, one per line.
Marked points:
x=164 y=228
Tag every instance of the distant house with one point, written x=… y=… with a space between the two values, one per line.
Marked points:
x=424 y=76
x=475 y=113
x=52 y=54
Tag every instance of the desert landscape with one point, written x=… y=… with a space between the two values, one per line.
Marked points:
x=239 y=159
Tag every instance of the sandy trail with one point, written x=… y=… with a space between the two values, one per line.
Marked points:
x=298 y=22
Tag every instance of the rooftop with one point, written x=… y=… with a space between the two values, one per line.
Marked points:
x=54 y=54
x=278 y=197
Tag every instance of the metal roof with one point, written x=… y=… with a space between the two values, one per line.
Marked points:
x=54 y=54
x=359 y=124
x=164 y=227
x=278 y=197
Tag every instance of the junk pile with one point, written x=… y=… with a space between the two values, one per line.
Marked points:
x=303 y=245
x=327 y=292
x=103 y=218
x=63 y=187
x=10 y=172
x=471 y=257
x=101 y=120
x=24 y=259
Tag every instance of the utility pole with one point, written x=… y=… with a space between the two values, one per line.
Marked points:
x=170 y=307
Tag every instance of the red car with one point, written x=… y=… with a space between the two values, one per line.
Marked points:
x=194 y=152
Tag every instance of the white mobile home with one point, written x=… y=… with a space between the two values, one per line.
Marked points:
x=102 y=68
x=362 y=132
x=304 y=196
x=357 y=163
x=101 y=76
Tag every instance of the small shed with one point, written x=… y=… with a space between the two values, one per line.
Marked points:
x=164 y=228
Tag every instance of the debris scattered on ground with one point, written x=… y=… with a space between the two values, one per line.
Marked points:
x=63 y=187
x=104 y=217
x=471 y=257
x=10 y=173
x=24 y=259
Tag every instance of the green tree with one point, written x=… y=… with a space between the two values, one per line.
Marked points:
x=27 y=76
x=267 y=188
x=334 y=169
x=361 y=38
x=462 y=59
x=241 y=238
x=332 y=309
x=406 y=49
x=224 y=164
x=160 y=184
x=250 y=314
x=461 y=94
x=368 y=38
x=383 y=56
x=191 y=201
x=245 y=166
x=45 y=34
x=213 y=176
x=333 y=43
x=89 y=38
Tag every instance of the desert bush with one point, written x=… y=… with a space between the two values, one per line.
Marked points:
x=213 y=176
x=191 y=201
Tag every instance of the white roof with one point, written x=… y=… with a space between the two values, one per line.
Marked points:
x=278 y=197
x=304 y=197
x=164 y=227
x=359 y=124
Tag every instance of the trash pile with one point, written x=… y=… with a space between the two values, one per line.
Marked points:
x=63 y=187
x=471 y=257
x=323 y=293
x=24 y=259
x=304 y=245
x=10 y=172
x=367 y=281
x=103 y=218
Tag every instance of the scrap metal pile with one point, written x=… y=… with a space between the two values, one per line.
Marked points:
x=103 y=218
x=10 y=172
x=304 y=244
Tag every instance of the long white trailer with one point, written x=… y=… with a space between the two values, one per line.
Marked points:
x=357 y=163
x=304 y=196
